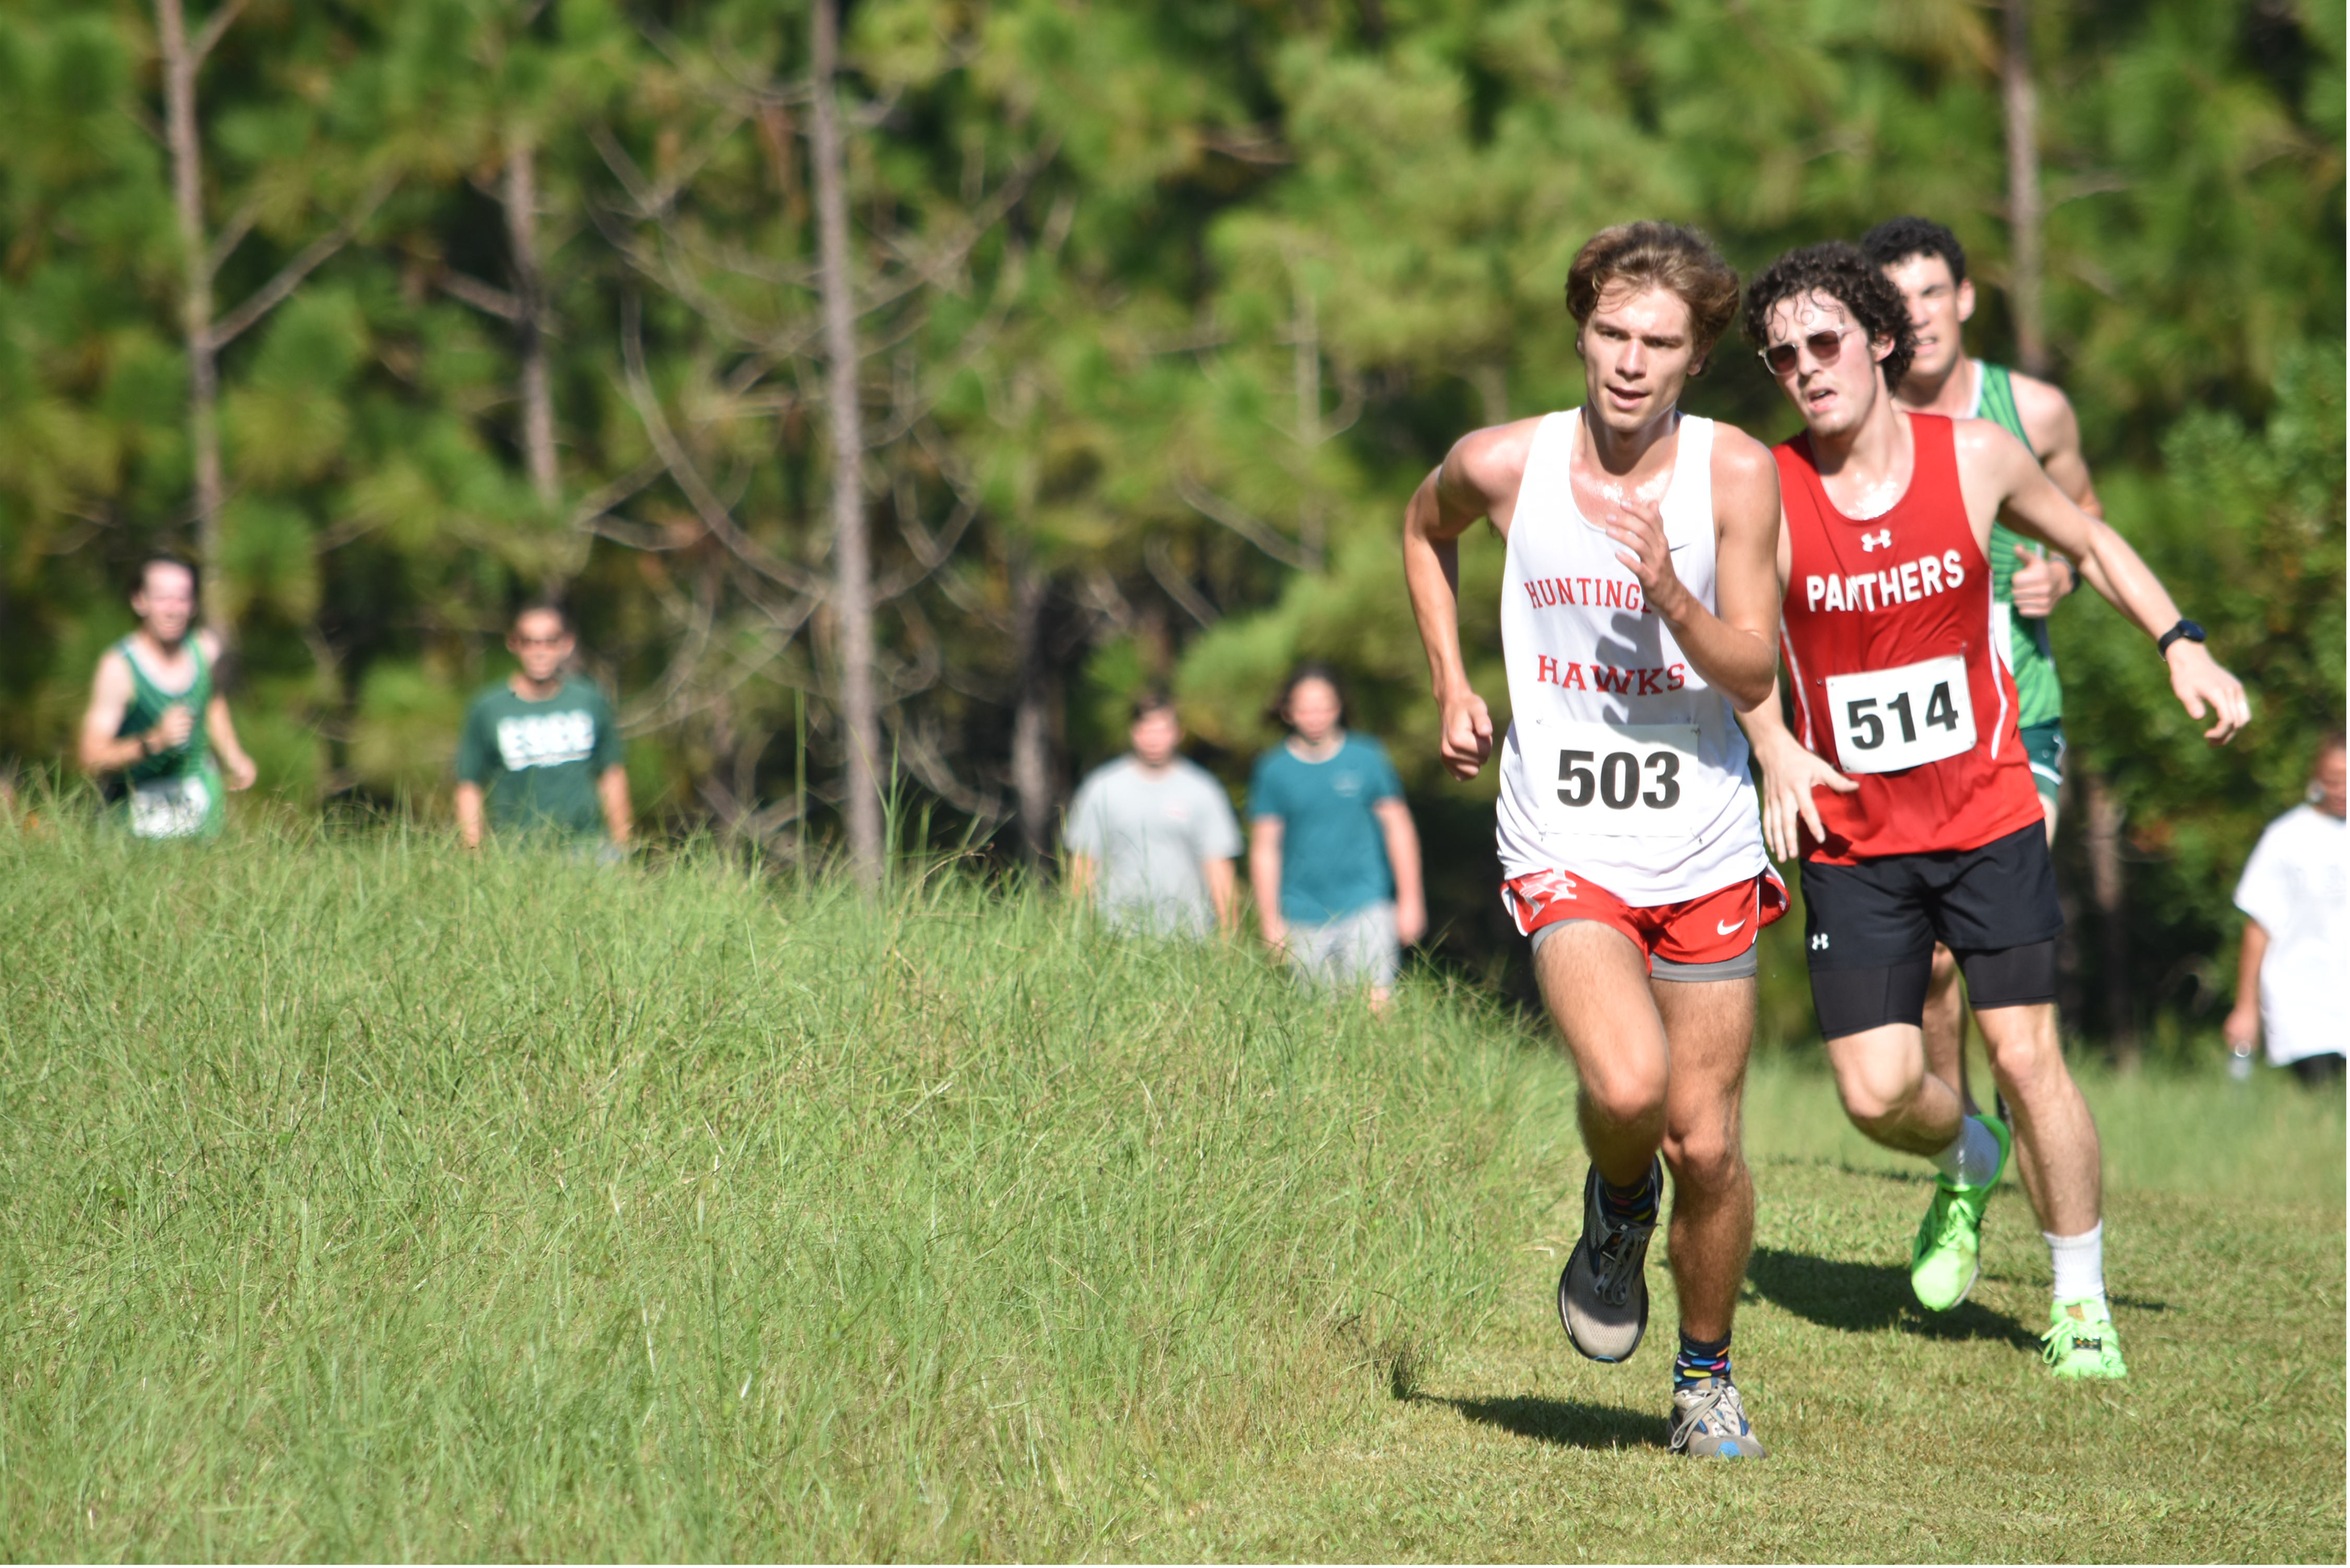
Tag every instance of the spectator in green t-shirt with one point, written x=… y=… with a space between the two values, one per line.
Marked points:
x=542 y=746
x=1333 y=857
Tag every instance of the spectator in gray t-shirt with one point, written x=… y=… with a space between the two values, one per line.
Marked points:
x=1155 y=834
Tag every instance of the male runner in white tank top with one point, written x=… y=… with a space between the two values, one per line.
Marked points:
x=1640 y=605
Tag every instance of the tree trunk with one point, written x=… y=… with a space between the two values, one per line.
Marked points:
x=521 y=196
x=180 y=63
x=2106 y=886
x=1032 y=713
x=1307 y=373
x=2023 y=189
x=852 y=587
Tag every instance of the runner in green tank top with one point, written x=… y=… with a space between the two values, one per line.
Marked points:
x=142 y=736
x=1924 y=260
x=2041 y=698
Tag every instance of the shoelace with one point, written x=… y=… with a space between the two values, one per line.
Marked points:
x=1954 y=1225
x=1611 y=1278
x=2059 y=1340
x=1709 y=1405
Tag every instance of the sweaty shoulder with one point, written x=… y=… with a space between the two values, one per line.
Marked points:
x=1492 y=460
x=2047 y=414
x=1984 y=443
x=1740 y=459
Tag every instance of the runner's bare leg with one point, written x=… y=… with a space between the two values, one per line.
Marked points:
x=1881 y=1077
x=1595 y=985
x=1710 y=1025
x=2056 y=1145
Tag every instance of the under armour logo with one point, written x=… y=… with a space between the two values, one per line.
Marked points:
x=1882 y=539
x=1819 y=943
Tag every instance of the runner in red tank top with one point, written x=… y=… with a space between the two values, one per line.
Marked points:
x=1932 y=830
x=1906 y=587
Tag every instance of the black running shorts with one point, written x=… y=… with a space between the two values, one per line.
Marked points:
x=1870 y=930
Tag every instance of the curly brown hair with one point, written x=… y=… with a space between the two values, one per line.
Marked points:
x=1658 y=255
x=1841 y=273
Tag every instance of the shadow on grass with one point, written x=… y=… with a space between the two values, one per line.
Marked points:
x=1861 y=1298
x=1569 y=1423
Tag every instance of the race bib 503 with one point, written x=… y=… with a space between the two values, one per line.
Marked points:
x=1617 y=780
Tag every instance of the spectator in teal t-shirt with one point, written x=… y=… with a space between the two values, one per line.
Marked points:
x=542 y=746
x=1333 y=857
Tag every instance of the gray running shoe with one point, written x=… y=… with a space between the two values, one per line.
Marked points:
x=1710 y=1423
x=1603 y=1295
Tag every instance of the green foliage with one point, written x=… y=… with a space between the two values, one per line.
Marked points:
x=1167 y=308
x=2248 y=526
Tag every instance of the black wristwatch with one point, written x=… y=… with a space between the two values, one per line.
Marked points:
x=2185 y=628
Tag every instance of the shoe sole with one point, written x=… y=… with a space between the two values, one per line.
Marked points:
x=1567 y=1320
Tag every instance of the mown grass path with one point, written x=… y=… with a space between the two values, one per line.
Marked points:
x=367 y=1201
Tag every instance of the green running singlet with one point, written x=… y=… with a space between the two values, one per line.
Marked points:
x=2039 y=696
x=175 y=793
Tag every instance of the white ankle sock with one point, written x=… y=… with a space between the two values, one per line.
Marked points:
x=1973 y=1156
x=2080 y=1265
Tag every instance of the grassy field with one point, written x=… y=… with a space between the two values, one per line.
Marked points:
x=365 y=1201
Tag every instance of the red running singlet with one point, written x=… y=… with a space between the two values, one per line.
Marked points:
x=1888 y=635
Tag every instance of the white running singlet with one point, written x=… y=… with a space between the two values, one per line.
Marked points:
x=1621 y=764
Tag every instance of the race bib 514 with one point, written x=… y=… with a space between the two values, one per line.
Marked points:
x=1887 y=720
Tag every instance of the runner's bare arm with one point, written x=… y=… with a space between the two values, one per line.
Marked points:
x=236 y=765
x=2055 y=435
x=1081 y=873
x=110 y=697
x=2000 y=477
x=2055 y=432
x=1737 y=649
x=1478 y=478
x=1790 y=770
x=1264 y=879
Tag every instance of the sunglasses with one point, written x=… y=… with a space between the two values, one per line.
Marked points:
x=1824 y=346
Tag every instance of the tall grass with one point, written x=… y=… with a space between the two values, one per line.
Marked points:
x=367 y=1199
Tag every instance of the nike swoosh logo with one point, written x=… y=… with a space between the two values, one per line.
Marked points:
x=1724 y=930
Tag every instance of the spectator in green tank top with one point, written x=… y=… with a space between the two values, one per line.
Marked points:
x=157 y=720
x=540 y=755
x=1925 y=262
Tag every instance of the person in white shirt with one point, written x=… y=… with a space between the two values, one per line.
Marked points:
x=1152 y=837
x=2290 y=983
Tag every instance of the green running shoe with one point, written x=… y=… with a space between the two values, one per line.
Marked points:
x=1949 y=1250
x=2080 y=1342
